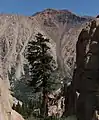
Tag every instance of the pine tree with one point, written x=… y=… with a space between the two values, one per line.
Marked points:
x=40 y=66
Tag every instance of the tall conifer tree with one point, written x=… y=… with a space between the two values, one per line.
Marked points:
x=40 y=67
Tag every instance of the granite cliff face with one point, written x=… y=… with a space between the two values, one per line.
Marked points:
x=62 y=27
x=87 y=57
x=86 y=74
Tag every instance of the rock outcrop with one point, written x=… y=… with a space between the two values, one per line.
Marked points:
x=56 y=103
x=86 y=73
x=87 y=50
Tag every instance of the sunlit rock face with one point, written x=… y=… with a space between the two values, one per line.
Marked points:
x=62 y=27
x=15 y=33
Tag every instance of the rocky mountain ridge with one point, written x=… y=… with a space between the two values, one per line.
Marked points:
x=62 y=27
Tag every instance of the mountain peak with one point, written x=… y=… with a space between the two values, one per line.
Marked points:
x=57 y=11
x=52 y=11
x=61 y=16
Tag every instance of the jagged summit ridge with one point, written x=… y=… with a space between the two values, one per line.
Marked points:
x=61 y=15
x=54 y=11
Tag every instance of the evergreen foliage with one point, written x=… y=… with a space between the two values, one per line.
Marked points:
x=44 y=78
x=41 y=62
x=41 y=67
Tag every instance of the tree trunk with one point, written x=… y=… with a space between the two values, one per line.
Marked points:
x=44 y=109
